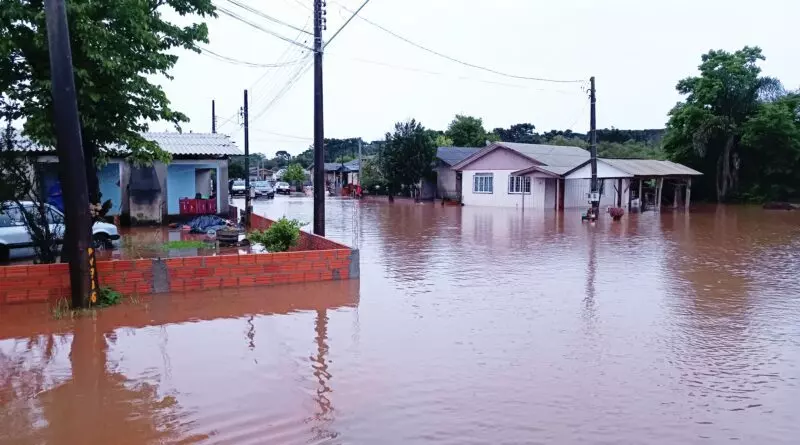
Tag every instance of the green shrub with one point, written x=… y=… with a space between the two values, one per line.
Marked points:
x=280 y=237
x=108 y=297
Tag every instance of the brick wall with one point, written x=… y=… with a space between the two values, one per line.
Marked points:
x=41 y=283
x=308 y=241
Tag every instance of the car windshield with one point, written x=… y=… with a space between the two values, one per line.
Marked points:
x=238 y=183
x=283 y=184
x=262 y=184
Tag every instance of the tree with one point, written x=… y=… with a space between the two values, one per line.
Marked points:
x=468 y=131
x=441 y=140
x=705 y=131
x=283 y=154
x=117 y=48
x=770 y=155
x=407 y=156
x=522 y=133
x=306 y=158
x=294 y=174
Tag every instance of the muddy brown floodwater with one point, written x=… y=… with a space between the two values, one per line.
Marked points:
x=469 y=325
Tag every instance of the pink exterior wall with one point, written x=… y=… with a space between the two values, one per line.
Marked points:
x=500 y=159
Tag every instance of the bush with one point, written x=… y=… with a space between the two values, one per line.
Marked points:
x=108 y=297
x=280 y=237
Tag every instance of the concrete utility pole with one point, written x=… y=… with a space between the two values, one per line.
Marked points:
x=72 y=170
x=247 y=203
x=213 y=116
x=595 y=198
x=319 y=125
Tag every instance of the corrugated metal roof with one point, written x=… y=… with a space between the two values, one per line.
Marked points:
x=557 y=159
x=193 y=144
x=453 y=155
x=176 y=144
x=651 y=167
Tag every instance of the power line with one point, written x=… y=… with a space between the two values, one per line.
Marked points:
x=303 y=138
x=236 y=16
x=456 y=76
x=276 y=74
x=263 y=15
x=345 y=24
x=288 y=86
x=233 y=61
x=453 y=59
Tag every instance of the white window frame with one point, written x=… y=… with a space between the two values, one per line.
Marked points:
x=515 y=185
x=483 y=183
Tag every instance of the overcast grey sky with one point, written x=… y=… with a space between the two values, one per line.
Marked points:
x=637 y=50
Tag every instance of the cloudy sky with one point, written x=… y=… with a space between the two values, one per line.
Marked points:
x=637 y=50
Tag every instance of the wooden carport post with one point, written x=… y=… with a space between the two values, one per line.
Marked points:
x=641 y=199
x=676 y=194
x=659 y=189
x=688 y=193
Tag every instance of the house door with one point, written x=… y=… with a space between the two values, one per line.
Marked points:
x=458 y=185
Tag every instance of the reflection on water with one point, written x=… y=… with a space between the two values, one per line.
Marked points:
x=469 y=325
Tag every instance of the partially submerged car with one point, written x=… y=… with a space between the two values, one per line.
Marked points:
x=16 y=243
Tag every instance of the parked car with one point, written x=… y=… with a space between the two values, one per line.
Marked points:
x=283 y=188
x=263 y=189
x=15 y=241
x=237 y=187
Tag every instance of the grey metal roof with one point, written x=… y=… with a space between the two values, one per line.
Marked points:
x=176 y=144
x=556 y=159
x=193 y=144
x=651 y=167
x=453 y=155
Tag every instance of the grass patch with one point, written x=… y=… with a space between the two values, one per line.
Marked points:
x=187 y=244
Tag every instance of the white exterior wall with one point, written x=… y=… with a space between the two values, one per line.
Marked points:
x=500 y=197
x=576 y=192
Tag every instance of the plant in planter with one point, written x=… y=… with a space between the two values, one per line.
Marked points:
x=616 y=213
x=279 y=237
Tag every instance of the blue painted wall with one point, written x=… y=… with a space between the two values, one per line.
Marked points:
x=180 y=184
x=109 y=186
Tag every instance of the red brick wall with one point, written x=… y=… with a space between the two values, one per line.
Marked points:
x=314 y=259
x=42 y=282
x=307 y=241
x=195 y=273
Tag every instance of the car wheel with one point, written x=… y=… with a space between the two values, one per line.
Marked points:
x=5 y=254
x=101 y=241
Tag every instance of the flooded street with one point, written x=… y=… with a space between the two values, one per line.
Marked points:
x=469 y=325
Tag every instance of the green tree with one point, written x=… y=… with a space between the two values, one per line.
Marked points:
x=283 y=154
x=770 y=155
x=118 y=47
x=407 y=156
x=441 y=140
x=522 y=133
x=468 y=131
x=294 y=174
x=705 y=131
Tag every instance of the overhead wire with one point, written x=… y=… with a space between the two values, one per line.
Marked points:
x=325 y=45
x=234 y=61
x=453 y=59
x=456 y=76
x=265 y=16
x=241 y=19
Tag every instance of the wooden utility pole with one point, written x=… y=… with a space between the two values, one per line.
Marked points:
x=595 y=198
x=213 y=116
x=319 y=125
x=72 y=170
x=248 y=209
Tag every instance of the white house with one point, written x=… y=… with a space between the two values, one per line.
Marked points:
x=533 y=176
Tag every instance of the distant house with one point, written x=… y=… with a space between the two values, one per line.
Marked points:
x=149 y=194
x=448 y=181
x=338 y=174
x=554 y=177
